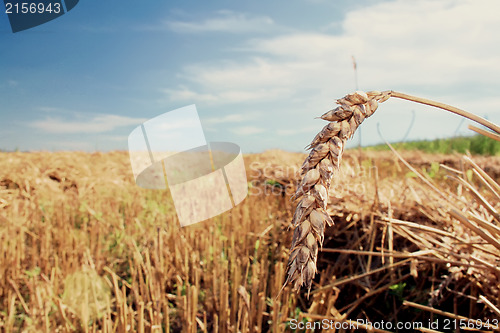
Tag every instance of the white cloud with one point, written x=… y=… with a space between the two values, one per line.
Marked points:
x=114 y=138
x=50 y=109
x=97 y=124
x=253 y=74
x=426 y=42
x=231 y=118
x=247 y=130
x=225 y=21
x=69 y=145
x=184 y=94
x=444 y=50
x=222 y=95
x=308 y=129
x=399 y=43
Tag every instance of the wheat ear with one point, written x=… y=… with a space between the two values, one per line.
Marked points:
x=311 y=218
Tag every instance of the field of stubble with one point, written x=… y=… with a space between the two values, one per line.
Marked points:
x=84 y=249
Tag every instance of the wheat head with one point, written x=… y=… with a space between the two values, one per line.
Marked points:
x=310 y=217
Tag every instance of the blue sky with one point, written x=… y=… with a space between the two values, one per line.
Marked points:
x=259 y=72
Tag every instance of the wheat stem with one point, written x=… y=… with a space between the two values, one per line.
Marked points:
x=446 y=107
x=489 y=134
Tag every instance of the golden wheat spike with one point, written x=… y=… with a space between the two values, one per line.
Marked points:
x=318 y=170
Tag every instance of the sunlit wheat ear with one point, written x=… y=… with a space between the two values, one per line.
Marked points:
x=318 y=170
x=319 y=167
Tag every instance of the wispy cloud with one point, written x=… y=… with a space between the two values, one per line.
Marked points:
x=70 y=145
x=51 y=109
x=231 y=118
x=224 y=21
x=183 y=93
x=393 y=47
x=293 y=131
x=247 y=130
x=220 y=95
x=83 y=124
x=114 y=138
x=9 y=83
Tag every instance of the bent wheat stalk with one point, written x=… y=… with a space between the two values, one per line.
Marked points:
x=310 y=217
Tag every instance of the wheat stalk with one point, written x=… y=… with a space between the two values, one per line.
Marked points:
x=310 y=217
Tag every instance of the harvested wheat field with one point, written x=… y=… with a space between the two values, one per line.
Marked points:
x=85 y=249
